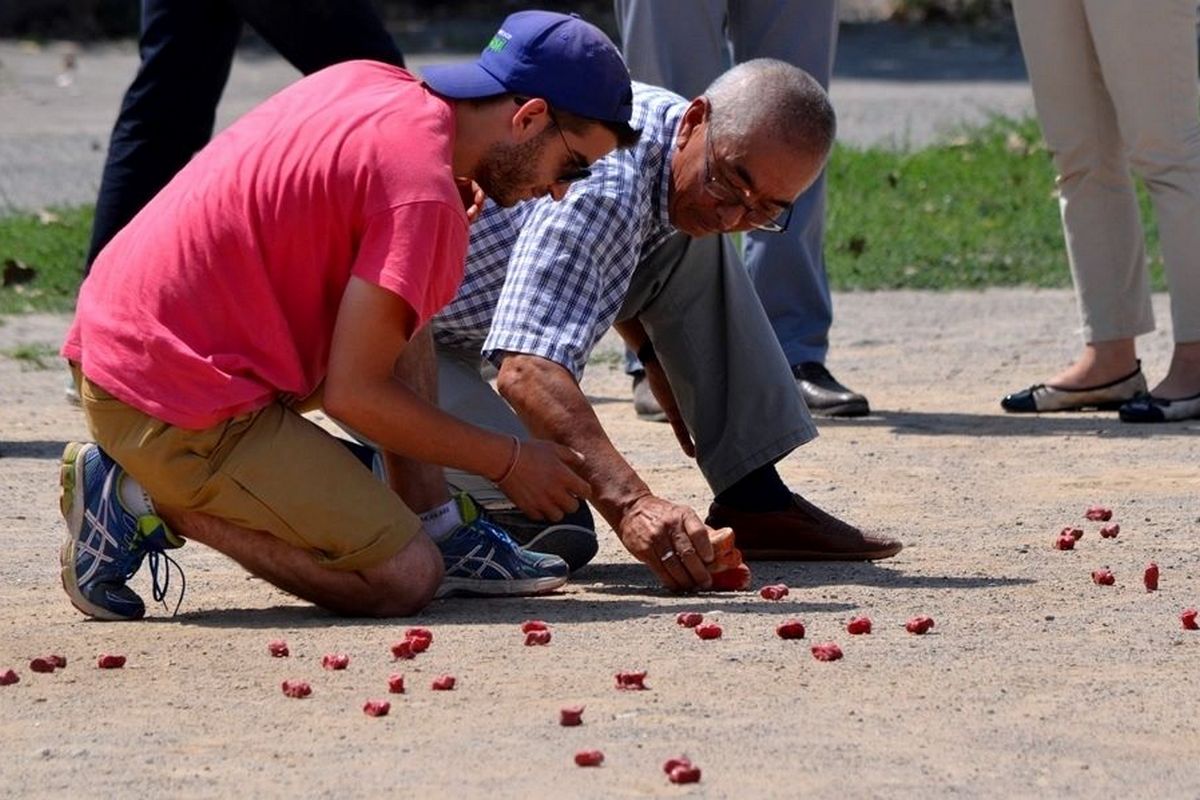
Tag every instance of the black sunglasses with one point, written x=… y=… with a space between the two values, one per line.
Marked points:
x=579 y=169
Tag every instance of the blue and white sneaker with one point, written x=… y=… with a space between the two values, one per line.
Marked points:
x=481 y=559
x=106 y=542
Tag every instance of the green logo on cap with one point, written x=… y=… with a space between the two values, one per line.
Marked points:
x=499 y=41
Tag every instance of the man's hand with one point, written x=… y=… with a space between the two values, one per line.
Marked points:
x=665 y=396
x=545 y=482
x=671 y=540
x=472 y=196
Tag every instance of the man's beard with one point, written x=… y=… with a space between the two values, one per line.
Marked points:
x=506 y=173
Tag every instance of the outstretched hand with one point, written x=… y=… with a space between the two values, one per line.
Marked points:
x=671 y=540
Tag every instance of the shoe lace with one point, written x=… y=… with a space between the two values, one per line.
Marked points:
x=153 y=538
x=161 y=564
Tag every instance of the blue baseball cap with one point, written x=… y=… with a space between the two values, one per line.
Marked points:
x=559 y=57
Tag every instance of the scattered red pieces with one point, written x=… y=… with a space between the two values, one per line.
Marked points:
x=827 y=651
x=41 y=665
x=1150 y=577
x=278 y=649
x=443 y=683
x=404 y=649
x=688 y=773
x=729 y=572
x=106 y=661
x=689 y=619
x=1188 y=618
x=419 y=633
x=58 y=661
x=1103 y=577
x=296 y=689
x=377 y=708
x=1110 y=530
x=589 y=758
x=396 y=683
x=774 y=591
x=1098 y=514
x=335 y=661
x=919 y=625
x=709 y=630
x=9 y=677
x=735 y=579
x=570 y=716
x=418 y=645
x=858 y=625
x=1065 y=541
x=674 y=763
x=1072 y=531
x=792 y=629
x=533 y=625
x=537 y=638
x=635 y=681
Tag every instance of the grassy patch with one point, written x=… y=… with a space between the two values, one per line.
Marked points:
x=41 y=257
x=979 y=210
x=36 y=355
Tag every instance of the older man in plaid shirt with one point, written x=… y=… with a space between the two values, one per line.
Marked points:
x=631 y=247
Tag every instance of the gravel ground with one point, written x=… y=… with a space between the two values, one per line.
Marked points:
x=1035 y=682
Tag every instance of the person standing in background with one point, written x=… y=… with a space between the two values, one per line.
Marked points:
x=186 y=49
x=1115 y=88
x=684 y=45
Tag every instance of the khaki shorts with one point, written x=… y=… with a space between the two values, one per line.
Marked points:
x=271 y=470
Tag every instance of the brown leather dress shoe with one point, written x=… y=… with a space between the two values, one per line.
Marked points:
x=803 y=532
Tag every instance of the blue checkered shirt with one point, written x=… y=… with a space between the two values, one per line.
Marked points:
x=546 y=278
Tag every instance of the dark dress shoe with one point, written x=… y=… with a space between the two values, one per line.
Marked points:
x=801 y=532
x=826 y=397
x=645 y=404
x=1105 y=397
x=1145 y=407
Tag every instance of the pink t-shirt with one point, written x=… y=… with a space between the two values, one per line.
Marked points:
x=222 y=294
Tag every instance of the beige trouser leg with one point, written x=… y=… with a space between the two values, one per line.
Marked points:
x=1115 y=87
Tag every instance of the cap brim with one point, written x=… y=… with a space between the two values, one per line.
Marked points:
x=462 y=81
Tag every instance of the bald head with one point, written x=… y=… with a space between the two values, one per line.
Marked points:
x=768 y=95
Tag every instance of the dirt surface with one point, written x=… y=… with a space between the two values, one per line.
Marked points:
x=1034 y=682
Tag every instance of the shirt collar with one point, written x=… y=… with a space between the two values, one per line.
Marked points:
x=660 y=199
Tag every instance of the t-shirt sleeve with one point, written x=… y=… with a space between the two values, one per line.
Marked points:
x=415 y=250
x=568 y=275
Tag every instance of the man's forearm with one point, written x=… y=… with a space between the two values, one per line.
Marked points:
x=552 y=406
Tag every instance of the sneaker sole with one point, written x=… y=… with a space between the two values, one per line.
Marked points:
x=486 y=588
x=72 y=504
x=574 y=544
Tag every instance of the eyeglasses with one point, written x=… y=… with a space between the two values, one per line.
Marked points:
x=579 y=168
x=771 y=218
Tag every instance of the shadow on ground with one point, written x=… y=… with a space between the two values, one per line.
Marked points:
x=942 y=423
x=32 y=449
x=624 y=579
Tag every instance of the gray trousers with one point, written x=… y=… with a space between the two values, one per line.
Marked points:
x=685 y=44
x=730 y=377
